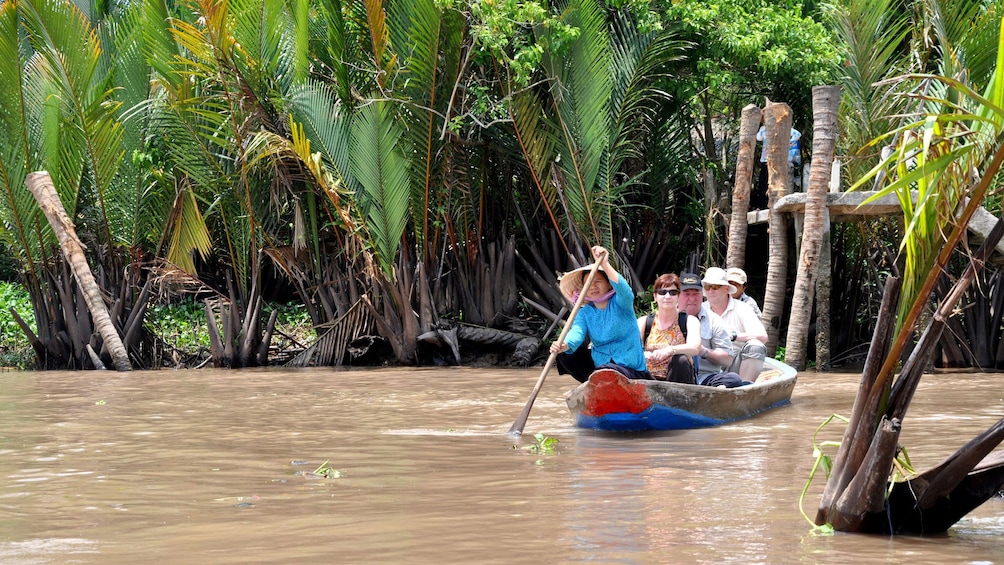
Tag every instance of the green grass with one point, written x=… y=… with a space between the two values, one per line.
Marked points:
x=15 y=351
x=182 y=325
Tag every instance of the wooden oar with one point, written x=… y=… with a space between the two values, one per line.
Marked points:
x=517 y=426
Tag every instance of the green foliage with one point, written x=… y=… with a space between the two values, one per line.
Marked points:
x=15 y=351
x=505 y=29
x=424 y=127
x=756 y=42
x=824 y=462
x=182 y=324
x=870 y=34
x=542 y=444
x=324 y=470
x=378 y=161
x=948 y=132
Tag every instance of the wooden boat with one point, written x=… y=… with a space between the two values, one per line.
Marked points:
x=610 y=401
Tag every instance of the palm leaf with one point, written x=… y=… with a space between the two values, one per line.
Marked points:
x=17 y=205
x=378 y=163
x=638 y=63
x=316 y=108
x=871 y=34
x=92 y=135
x=582 y=92
x=422 y=32
x=935 y=161
x=538 y=137
x=188 y=232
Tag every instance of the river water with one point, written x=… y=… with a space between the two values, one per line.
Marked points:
x=210 y=466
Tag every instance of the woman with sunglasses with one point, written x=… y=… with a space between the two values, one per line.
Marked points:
x=670 y=348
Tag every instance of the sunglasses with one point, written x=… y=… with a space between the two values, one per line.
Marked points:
x=713 y=286
x=669 y=291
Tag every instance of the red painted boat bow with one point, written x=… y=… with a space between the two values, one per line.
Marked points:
x=611 y=392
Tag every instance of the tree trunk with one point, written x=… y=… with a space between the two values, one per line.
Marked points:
x=777 y=123
x=748 y=126
x=713 y=201
x=40 y=185
x=862 y=424
x=825 y=103
x=824 y=288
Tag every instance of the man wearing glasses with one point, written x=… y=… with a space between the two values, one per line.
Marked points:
x=715 y=354
x=748 y=332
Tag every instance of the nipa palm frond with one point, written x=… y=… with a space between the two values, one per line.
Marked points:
x=582 y=93
x=378 y=163
x=17 y=205
x=91 y=135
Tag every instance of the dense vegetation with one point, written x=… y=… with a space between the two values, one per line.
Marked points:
x=399 y=168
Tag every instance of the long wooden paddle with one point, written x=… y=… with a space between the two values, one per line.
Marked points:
x=517 y=426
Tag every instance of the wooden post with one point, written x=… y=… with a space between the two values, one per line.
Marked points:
x=738 y=227
x=40 y=185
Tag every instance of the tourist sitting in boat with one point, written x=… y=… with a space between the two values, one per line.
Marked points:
x=670 y=337
x=749 y=335
x=606 y=320
x=715 y=355
x=737 y=278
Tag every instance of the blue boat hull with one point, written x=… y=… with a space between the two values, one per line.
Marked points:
x=657 y=418
x=611 y=402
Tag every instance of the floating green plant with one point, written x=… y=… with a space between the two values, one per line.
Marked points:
x=325 y=470
x=542 y=444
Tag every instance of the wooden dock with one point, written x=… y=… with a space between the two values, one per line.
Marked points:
x=850 y=206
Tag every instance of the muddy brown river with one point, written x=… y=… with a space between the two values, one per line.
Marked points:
x=208 y=466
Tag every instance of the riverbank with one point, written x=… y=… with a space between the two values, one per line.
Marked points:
x=179 y=328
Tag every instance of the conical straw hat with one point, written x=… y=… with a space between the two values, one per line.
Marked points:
x=571 y=282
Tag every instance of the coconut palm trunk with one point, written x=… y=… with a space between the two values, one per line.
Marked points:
x=40 y=185
x=825 y=103
x=739 y=227
x=777 y=125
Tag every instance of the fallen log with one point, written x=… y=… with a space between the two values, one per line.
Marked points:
x=911 y=508
x=524 y=347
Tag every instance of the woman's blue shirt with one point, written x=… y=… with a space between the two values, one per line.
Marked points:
x=613 y=330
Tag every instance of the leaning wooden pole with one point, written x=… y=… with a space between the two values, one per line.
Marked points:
x=825 y=103
x=739 y=227
x=40 y=185
x=864 y=415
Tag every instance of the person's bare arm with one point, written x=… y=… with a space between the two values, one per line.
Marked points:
x=602 y=256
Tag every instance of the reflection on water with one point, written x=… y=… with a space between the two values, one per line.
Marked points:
x=217 y=466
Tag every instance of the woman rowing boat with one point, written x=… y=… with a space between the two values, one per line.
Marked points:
x=606 y=320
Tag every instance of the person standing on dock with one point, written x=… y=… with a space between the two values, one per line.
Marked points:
x=748 y=333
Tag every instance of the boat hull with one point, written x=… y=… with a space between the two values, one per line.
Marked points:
x=609 y=401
